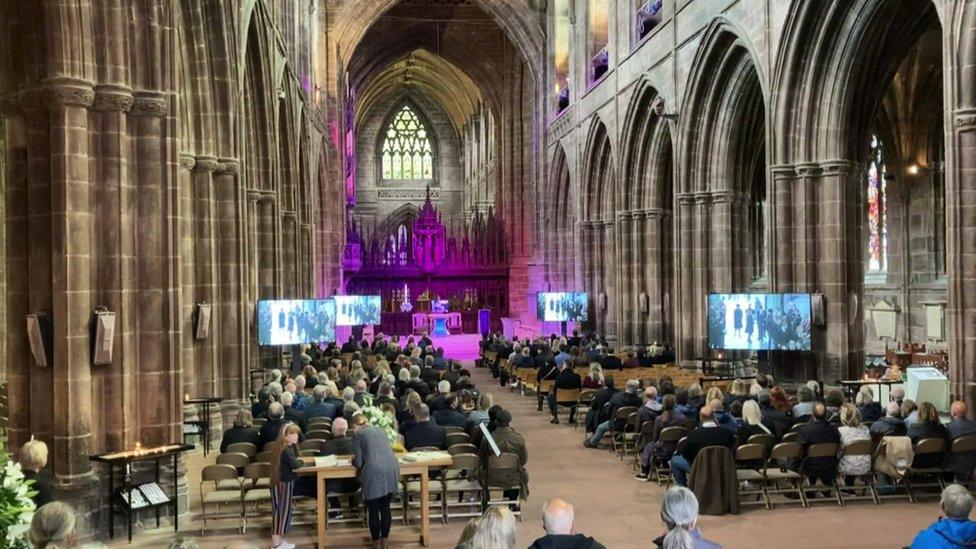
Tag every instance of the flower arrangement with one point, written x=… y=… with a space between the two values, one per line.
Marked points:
x=16 y=505
x=377 y=417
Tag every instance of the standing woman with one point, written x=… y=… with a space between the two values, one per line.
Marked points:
x=379 y=473
x=284 y=461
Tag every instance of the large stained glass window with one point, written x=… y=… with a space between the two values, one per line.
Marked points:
x=877 y=209
x=406 y=148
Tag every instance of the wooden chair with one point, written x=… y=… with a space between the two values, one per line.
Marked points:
x=823 y=450
x=662 y=471
x=861 y=448
x=463 y=448
x=505 y=462
x=925 y=448
x=774 y=471
x=216 y=497
x=457 y=438
x=583 y=406
x=545 y=387
x=461 y=479
x=245 y=448
x=747 y=457
x=567 y=398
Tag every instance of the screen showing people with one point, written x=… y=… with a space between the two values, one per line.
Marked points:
x=440 y=306
x=357 y=310
x=296 y=321
x=759 y=322
x=561 y=306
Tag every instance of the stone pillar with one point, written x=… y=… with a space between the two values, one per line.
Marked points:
x=623 y=266
x=71 y=208
x=724 y=239
x=609 y=281
x=654 y=276
x=686 y=276
x=289 y=255
x=781 y=277
x=585 y=267
x=188 y=260
x=805 y=228
x=703 y=261
x=961 y=253
x=205 y=352
x=232 y=308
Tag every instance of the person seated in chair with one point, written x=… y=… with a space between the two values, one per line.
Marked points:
x=242 y=431
x=611 y=362
x=439 y=402
x=450 y=416
x=961 y=464
x=707 y=434
x=815 y=432
x=890 y=425
x=566 y=379
x=424 y=433
x=928 y=425
x=559 y=522
x=870 y=409
x=955 y=530
x=624 y=398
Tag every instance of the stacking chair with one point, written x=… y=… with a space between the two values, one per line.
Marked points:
x=464 y=448
x=749 y=477
x=262 y=457
x=583 y=406
x=217 y=497
x=925 y=448
x=823 y=450
x=567 y=398
x=543 y=390
x=245 y=448
x=776 y=472
x=257 y=492
x=965 y=444
x=505 y=462
x=319 y=434
x=268 y=446
x=766 y=440
x=790 y=436
x=643 y=438
x=239 y=462
x=462 y=489
x=312 y=444
x=319 y=423
x=412 y=495
x=458 y=438
x=259 y=422
x=662 y=471
x=454 y=429
x=869 y=486
x=623 y=422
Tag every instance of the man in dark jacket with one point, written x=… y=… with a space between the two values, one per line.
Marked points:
x=707 y=434
x=319 y=407
x=291 y=414
x=600 y=399
x=890 y=425
x=818 y=430
x=565 y=379
x=960 y=463
x=611 y=362
x=559 y=522
x=773 y=419
x=546 y=372
x=450 y=416
x=271 y=428
x=627 y=397
x=424 y=433
x=340 y=445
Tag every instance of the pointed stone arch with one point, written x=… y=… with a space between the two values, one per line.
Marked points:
x=597 y=228
x=559 y=242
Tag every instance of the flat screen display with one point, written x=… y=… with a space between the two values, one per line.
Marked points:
x=357 y=310
x=561 y=306
x=296 y=321
x=440 y=306
x=759 y=322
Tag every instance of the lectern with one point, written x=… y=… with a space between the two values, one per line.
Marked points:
x=926 y=384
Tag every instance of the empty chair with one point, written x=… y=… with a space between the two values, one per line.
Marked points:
x=319 y=435
x=216 y=497
x=465 y=448
x=262 y=457
x=457 y=438
x=583 y=406
x=238 y=461
x=776 y=471
x=257 y=492
x=245 y=448
x=462 y=488
x=312 y=444
x=749 y=461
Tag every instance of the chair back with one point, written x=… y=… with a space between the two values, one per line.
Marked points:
x=457 y=438
x=464 y=448
x=567 y=396
x=790 y=437
x=766 y=440
x=796 y=427
x=319 y=435
x=312 y=444
x=821 y=450
x=586 y=396
x=245 y=448
x=259 y=422
x=545 y=386
x=263 y=457
x=238 y=461
x=670 y=434
x=453 y=429
x=623 y=413
x=963 y=444
x=750 y=452
x=930 y=446
x=464 y=465
x=787 y=450
x=268 y=446
x=688 y=423
x=680 y=447
x=318 y=423
x=426 y=449
x=863 y=447
x=255 y=471
x=218 y=471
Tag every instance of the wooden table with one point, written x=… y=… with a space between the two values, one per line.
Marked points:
x=407 y=468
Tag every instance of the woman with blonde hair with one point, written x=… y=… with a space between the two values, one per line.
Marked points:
x=53 y=526
x=751 y=422
x=714 y=393
x=850 y=431
x=284 y=462
x=594 y=379
x=497 y=529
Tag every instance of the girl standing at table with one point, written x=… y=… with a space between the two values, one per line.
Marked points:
x=284 y=461
x=379 y=473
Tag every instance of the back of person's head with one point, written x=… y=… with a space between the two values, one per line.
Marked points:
x=349 y=408
x=609 y=382
x=443 y=386
x=751 y=413
x=957 y=502
x=339 y=427
x=735 y=408
x=299 y=382
x=958 y=409
x=850 y=416
x=275 y=389
x=713 y=393
x=470 y=529
x=361 y=386
x=669 y=402
x=244 y=418
x=319 y=393
x=667 y=387
x=865 y=396
x=421 y=412
x=681 y=396
x=487 y=401
x=429 y=361
x=694 y=391
x=348 y=394
x=907 y=407
x=764 y=397
x=276 y=375
x=414 y=371
x=898 y=394
x=264 y=394
x=53 y=526
x=557 y=517
x=927 y=413
x=679 y=511
x=287 y=399
x=650 y=393
x=706 y=414
x=819 y=411
x=33 y=455
x=633 y=386
x=451 y=400
x=497 y=529
x=893 y=409
x=716 y=405
x=385 y=388
x=804 y=394
x=834 y=398
x=276 y=411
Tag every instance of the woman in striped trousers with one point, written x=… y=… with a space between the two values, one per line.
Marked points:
x=284 y=461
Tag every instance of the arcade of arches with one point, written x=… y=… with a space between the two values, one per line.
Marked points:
x=157 y=155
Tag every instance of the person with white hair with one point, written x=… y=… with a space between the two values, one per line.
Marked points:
x=559 y=522
x=291 y=414
x=276 y=376
x=53 y=526
x=302 y=400
x=360 y=396
x=439 y=402
x=897 y=395
x=679 y=511
x=869 y=408
x=496 y=529
x=955 y=530
x=891 y=424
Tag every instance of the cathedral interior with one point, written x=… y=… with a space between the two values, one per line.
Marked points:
x=161 y=157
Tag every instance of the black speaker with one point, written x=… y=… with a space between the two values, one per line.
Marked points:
x=40 y=334
x=201 y=320
x=102 y=336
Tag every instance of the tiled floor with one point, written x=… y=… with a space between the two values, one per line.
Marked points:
x=611 y=505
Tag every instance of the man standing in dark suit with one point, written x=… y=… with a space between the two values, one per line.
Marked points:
x=707 y=434
x=611 y=362
x=816 y=432
x=424 y=433
x=565 y=379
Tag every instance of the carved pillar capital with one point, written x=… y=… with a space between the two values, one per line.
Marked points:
x=253 y=196
x=702 y=197
x=269 y=197
x=808 y=169
x=113 y=98
x=68 y=92
x=206 y=164
x=187 y=161
x=965 y=120
x=229 y=166
x=289 y=214
x=685 y=199
x=723 y=196
x=839 y=167
x=150 y=103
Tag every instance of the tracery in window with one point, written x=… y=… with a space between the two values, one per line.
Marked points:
x=407 y=152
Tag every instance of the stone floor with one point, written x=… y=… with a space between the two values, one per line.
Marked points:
x=610 y=504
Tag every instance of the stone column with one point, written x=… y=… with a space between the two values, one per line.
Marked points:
x=232 y=309
x=205 y=353
x=805 y=227
x=623 y=266
x=586 y=263
x=686 y=276
x=289 y=255
x=961 y=253
x=653 y=276
x=781 y=276
x=703 y=223
x=188 y=260
x=70 y=202
x=724 y=235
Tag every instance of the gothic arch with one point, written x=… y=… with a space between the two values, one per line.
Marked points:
x=599 y=179
x=646 y=161
x=561 y=224
x=405 y=100
x=597 y=230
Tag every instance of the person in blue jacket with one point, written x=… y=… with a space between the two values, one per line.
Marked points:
x=955 y=530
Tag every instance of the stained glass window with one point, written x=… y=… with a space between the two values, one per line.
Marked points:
x=877 y=209
x=406 y=148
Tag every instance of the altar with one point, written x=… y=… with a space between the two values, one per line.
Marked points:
x=438 y=324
